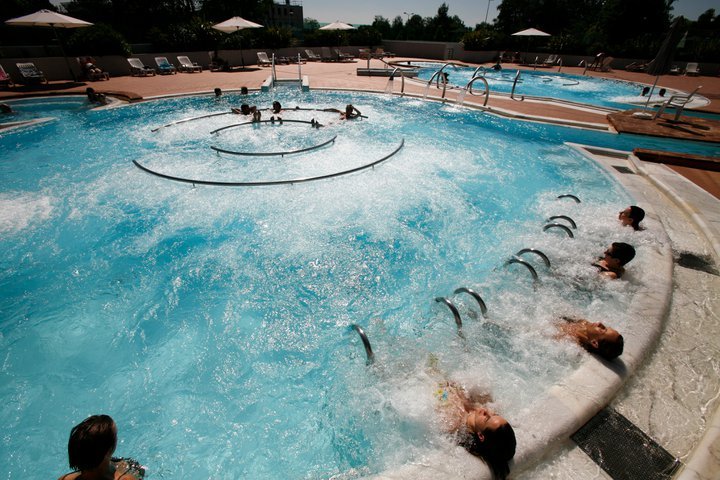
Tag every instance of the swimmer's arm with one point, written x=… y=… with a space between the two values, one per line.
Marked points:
x=609 y=274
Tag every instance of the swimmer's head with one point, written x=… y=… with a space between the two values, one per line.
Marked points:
x=91 y=441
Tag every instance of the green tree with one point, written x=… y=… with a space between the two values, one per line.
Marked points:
x=444 y=28
x=99 y=39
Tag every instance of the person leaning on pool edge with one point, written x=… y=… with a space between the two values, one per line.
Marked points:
x=90 y=447
x=632 y=216
x=611 y=264
x=480 y=431
x=350 y=113
x=594 y=337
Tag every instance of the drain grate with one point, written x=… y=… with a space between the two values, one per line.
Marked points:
x=623 y=169
x=623 y=450
x=702 y=263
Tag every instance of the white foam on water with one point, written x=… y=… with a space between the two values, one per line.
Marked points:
x=21 y=210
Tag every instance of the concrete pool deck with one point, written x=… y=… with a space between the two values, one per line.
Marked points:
x=688 y=328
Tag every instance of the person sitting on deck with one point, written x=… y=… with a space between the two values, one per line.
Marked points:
x=613 y=261
x=90 y=448
x=593 y=337
x=632 y=216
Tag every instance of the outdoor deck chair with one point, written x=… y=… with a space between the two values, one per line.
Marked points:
x=636 y=67
x=677 y=102
x=312 y=56
x=185 y=65
x=343 y=57
x=381 y=53
x=692 y=69
x=605 y=64
x=675 y=70
x=30 y=73
x=91 y=71
x=137 y=68
x=551 y=60
x=326 y=55
x=364 y=53
x=5 y=79
x=165 y=67
x=263 y=59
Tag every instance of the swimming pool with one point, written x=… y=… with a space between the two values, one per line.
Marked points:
x=604 y=92
x=212 y=322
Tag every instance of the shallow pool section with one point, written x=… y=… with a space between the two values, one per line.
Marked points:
x=213 y=323
x=603 y=92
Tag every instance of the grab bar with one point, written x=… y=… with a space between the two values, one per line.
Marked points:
x=468 y=87
x=535 y=64
x=560 y=63
x=436 y=74
x=527 y=265
x=559 y=225
x=453 y=309
x=366 y=344
x=274 y=73
x=563 y=217
x=512 y=93
x=567 y=195
x=402 y=77
x=480 y=68
x=475 y=295
x=536 y=252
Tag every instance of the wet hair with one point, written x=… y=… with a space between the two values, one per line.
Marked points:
x=610 y=350
x=496 y=450
x=218 y=91
x=276 y=107
x=348 y=110
x=243 y=90
x=662 y=92
x=623 y=252
x=637 y=214
x=245 y=109
x=645 y=91
x=90 y=441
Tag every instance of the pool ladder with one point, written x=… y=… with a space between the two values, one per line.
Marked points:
x=454 y=310
x=512 y=92
x=516 y=259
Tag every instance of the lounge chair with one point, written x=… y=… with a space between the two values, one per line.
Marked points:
x=90 y=70
x=675 y=70
x=381 y=53
x=5 y=79
x=364 y=53
x=677 y=102
x=551 y=60
x=326 y=55
x=343 y=57
x=636 y=67
x=137 y=68
x=692 y=69
x=605 y=64
x=185 y=65
x=30 y=73
x=165 y=67
x=312 y=56
x=263 y=59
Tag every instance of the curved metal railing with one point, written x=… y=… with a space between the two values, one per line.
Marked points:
x=213 y=132
x=468 y=87
x=475 y=295
x=388 y=87
x=267 y=183
x=453 y=309
x=274 y=154
x=512 y=92
x=567 y=195
x=366 y=344
x=560 y=226
x=184 y=120
x=537 y=252
x=530 y=268
x=563 y=217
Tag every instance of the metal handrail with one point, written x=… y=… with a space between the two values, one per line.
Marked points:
x=535 y=63
x=560 y=226
x=468 y=87
x=274 y=74
x=475 y=295
x=563 y=217
x=402 y=77
x=275 y=154
x=559 y=63
x=568 y=195
x=366 y=344
x=189 y=120
x=453 y=309
x=512 y=93
x=300 y=70
x=479 y=69
x=436 y=74
x=536 y=252
x=527 y=265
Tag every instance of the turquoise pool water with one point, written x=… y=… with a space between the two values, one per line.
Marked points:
x=213 y=323
x=548 y=83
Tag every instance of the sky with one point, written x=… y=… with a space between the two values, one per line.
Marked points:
x=470 y=12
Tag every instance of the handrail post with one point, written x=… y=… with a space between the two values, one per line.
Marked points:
x=468 y=87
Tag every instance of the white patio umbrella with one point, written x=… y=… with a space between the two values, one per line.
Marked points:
x=48 y=18
x=338 y=25
x=530 y=32
x=235 y=24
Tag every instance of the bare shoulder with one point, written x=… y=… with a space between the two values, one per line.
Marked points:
x=70 y=476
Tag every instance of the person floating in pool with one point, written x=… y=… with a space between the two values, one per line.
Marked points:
x=244 y=109
x=218 y=93
x=593 y=337
x=497 y=66
x=90 y=448
x=612 y=263
x=481 y=431
x=257 y=116
x=632 y=216
x=276 y=107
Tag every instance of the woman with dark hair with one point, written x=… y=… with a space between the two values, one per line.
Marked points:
x=612 y=263
x=594 y=337
x=480 y=430
x=632 y=216
x=90 y=448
